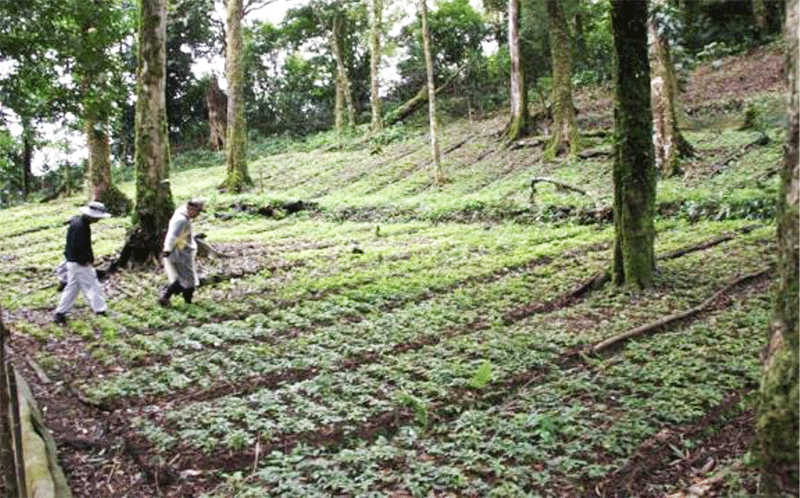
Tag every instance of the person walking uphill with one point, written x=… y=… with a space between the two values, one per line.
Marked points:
x=81 y=275
x=179 y=253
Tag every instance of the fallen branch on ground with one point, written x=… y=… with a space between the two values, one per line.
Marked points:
x=651 y=327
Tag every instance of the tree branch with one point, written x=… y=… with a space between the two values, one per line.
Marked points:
x=651 y=327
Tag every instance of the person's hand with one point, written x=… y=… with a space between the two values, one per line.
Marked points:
x=166 y=254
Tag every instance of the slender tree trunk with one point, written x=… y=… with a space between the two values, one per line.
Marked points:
x=634 y=167
x=565 y=128
x=518 y=126
x=438 y=176
x=217 y=104
x=342 y=80
x=27 y=162
x=338 y=112
x=376 y=29
x=669 y=143
x=778 y=418
x=759 y=18
x=237 y=178
x=154 y=203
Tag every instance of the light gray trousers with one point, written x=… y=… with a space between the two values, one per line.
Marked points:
x=81 y=278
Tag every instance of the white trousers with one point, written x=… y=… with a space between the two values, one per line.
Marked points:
x=81 y=278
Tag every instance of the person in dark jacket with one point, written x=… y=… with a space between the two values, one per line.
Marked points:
x=81 y=275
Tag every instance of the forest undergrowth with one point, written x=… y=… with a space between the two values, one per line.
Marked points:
x=371 y=334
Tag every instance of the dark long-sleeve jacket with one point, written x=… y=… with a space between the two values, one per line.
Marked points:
x=79 y=241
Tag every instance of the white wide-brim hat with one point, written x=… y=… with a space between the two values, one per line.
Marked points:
x=95 y=210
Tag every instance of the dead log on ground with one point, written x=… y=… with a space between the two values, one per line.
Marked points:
x=417 y=101
x=652 y=327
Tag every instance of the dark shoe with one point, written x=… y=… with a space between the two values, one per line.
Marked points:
x=101 y=313
x=165 y=302
x=60 y=318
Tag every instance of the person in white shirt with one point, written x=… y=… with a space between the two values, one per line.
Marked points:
x=180 y=250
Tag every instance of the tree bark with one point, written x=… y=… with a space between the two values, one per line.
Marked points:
x=217 y=103
x=376 y=28
x=634 y=168
x=668 y=141
x=438 y=176
x=100 y=183
x=759 y=19
x=518 y=90
x=238 y=178
x=154 y=203
x=342 y=79
x=7 y=459
x=565 y=129
x=778 y=419
x=27 y=162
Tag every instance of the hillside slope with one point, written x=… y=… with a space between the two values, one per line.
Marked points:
x=373 y=335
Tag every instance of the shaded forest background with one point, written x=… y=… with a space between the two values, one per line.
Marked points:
x=291 y=73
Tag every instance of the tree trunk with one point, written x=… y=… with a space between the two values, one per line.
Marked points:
x=154 y=203
x=416 y=102
x=100 y=183
x=237 y=178
x=217 y=104
x=759 y=19
x=27 y=161
x=7 y=459
x=565 y=129
x=778 y=419
x=669 y=143
x=438 y=176
x=634 y=168
x=342 y=80
x=518 y=91
x=376 y=28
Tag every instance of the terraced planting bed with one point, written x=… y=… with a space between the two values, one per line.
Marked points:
x=394 y=339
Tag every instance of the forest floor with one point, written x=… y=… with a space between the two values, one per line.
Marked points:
x=141 y=405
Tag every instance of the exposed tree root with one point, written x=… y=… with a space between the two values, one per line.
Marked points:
x=600 y=279
x=651 y=455
x=762 y=140
x=559 y=185
x=664 y=322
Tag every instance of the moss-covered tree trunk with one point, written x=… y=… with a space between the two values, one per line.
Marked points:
x=375 y=32
x=518 y=90
x=154 y=204
x=100 y=183
x=7 y=460
x=237 y=179
x=342 y=79
x=217 y=104
x=759 y=19
x=669 y=143
x=438 y=175
x=565 y=128
x=634 y=168
x=778 y=419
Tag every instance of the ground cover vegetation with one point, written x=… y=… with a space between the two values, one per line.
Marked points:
x=366 y=328
x=371 y=335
